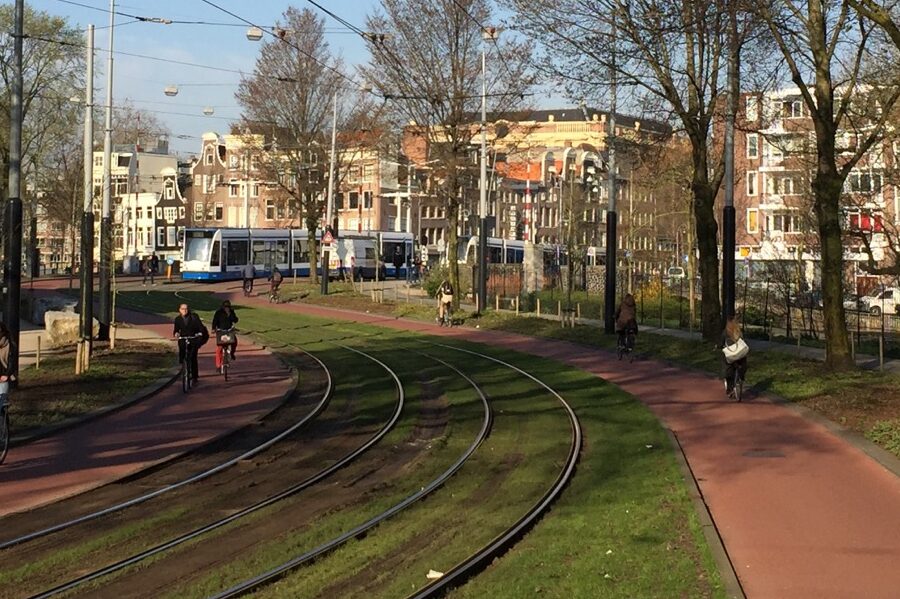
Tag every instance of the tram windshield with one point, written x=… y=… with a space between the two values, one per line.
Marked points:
x=197 y=245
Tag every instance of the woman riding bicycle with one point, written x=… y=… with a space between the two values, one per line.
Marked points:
x=223 y=321
x=275 y=280
x=731 y=341
x=626 y=320
x=445 y=299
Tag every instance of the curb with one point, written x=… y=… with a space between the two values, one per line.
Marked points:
x=730 y=580
x=141 y=394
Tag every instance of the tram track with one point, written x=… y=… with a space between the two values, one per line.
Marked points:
x=255 y=507
x=477 y=560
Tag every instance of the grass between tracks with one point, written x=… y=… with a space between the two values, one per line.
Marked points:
x=54 y=393
x=624 y=527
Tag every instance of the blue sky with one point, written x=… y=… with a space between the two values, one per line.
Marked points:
x=143 y=80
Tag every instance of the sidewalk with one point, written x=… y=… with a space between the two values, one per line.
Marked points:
x=802 y=512
x=151 y=431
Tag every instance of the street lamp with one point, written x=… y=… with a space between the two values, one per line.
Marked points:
x=171 y=90
x=254 y=34
x=208 y=111
x=487 y=34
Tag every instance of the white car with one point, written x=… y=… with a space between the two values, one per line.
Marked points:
x=887 y=300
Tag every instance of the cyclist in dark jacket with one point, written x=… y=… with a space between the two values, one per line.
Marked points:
x=188 y=324
x=626 y=318
x=224 y=319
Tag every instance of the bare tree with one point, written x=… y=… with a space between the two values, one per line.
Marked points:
x=672 y=55
x=288 y=98
x=830 y=60
x=429 y=60
x=135 y=126
x=883 y=14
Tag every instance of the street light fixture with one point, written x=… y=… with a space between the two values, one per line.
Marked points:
x=254 y=33
x=208 y=111
x=171 y=90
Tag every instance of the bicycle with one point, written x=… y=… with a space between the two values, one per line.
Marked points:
x=248 y=287
x=447 y=320
x=274 y=296
x=4 y=428
x=187 y=374
x=625 y=345
x=224 y=340
x=737 y=387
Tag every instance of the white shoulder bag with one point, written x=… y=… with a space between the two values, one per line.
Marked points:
x=736 y=351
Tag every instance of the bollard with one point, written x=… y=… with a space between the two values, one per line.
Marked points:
x=112 y=336
x=168 y=272
x=517 y=305
x=852 y=346
x=86 y=357
x=881 y=352
x=538 y=309
x=497 y=303
x=578 y=310
x=559 y=309
x=78 y=357
x=37 y=359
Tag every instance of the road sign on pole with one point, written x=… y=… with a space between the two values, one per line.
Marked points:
x=327 y=238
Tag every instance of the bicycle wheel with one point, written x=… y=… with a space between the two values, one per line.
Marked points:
x=226 y=360
x=4 y=433
x=738 y=387
x=185 y=377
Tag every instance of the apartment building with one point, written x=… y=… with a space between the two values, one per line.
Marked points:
x=774 y=162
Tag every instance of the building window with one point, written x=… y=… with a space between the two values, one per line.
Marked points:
x=354 y=200
x=339 y=201
x=788 y=186
x=751 y=183
x=171 y=213
x=752 y=145
x=198 y=212
x=232 y=189
x=752 y=220
x=181 y=212
x=784 y=222
x=159 y=214
x=171 y=237
x=270 y=209
x=160 y=237
x=751 y=110
x=220 y=211
x=367 y=199
x=254 y=190
x=170 y=192
x=775 y=151
x=861 y=182
x=872 y=223
x=209 y=159
x=792 y=109
x=138 y=212
x=368 y=172
x=98 y=161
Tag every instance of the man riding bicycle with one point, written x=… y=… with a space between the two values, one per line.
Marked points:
x=275 y=279
x=626 y=320
x=224 y=320
x=445 y=299
x=188 y=324
x=248 y=273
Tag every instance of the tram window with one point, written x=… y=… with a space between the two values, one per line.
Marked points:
x=301 y=251
x=214 y=256
x=197 y=248
x=281 y=252
x=236 y=253
x=495 y=255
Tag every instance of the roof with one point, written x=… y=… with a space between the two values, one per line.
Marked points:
x=577 y=114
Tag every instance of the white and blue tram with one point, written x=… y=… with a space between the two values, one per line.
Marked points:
x=509 y=251
x=218 y=254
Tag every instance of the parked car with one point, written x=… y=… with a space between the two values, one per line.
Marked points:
x=853 y=302
x=887 y=300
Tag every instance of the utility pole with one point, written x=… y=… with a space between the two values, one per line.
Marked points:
x=489 y=33
x=246 y=186
x=13 y=266
x=87 y=217
x=105 y=316
x=329 y=201
x=728 y=214
x=609 y=307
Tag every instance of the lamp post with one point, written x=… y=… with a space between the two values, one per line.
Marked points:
x=87 y=217
x=329 y=206
x=489 y=33
x=728 y=213
x=13 y=266
x=105 y=314
x=609 y=296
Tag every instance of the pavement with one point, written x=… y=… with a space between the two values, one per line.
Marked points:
x=802 y=512
x=148 y=432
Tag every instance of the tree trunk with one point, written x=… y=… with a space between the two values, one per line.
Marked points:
x=828 y=190
x=314 y=258
x=453 y=263
x=707 y=244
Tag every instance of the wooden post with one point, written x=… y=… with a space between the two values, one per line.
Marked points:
x=497 y=302
x=112 y=336
x=86 y=358
x=517 y=305
x=578 y=310
x=78 y=350
x=881 y=352
x=538 y=309
x=559 y=308
x=37 y=359
x=853 y=345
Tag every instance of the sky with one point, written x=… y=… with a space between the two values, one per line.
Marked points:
x=223 y=46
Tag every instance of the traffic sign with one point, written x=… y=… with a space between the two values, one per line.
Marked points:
x=327 y=238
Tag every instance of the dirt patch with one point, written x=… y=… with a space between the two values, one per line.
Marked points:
x=54 y=393
x=377 y=471
x=859 y=409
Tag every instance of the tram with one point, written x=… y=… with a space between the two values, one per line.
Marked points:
x=509 y=251
x=219 y=254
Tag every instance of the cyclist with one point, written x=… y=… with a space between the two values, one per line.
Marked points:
x=223 y=320
x=188 y=324
x=6 y=375
x=275 y=279
x=248 y=273
x=445 y=299
x=731 y=336
x=626 y=320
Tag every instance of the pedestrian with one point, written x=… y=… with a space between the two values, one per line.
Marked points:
x=147 y=270
x=397 y=261
x=188 y=324
x=154 y=267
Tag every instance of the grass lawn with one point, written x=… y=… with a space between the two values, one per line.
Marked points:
x=625 y=527
x=54 y=393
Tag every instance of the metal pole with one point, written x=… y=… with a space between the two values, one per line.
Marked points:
x=13 y=266
x=329 y=201
x=609 y=319
x=105 y=315
x=87 y=217
x=482 y=209
x=246 y=188
x=728 y=212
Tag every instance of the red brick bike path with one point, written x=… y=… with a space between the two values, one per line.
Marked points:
x=802 y=513
x=145 y=433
